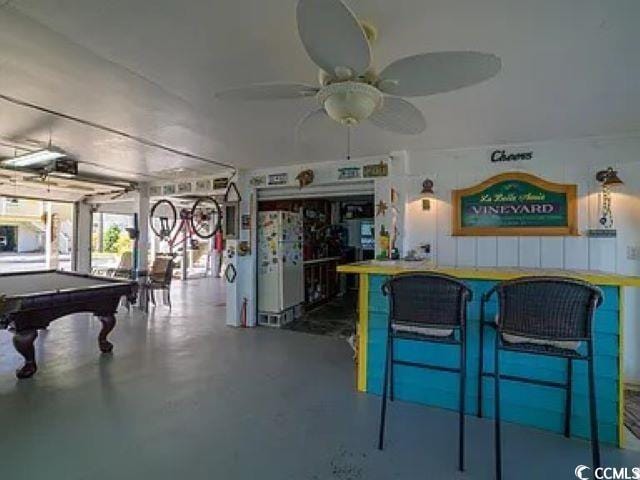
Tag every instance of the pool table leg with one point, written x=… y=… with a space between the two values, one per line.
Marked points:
x=23 y=343
x=108 y=323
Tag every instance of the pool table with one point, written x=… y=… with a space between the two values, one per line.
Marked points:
x=32 y=300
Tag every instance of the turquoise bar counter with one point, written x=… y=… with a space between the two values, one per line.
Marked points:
x=528 y=404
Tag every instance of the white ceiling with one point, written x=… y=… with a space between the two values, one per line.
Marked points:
x=570 y=69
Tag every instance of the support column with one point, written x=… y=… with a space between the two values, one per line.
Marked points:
x=100 y=235
x=52 y=230
x=82 y=245
x=244 y=286
x=143 y=226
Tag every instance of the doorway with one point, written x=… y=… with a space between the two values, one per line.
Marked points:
x=23 y=239
x=113 y=244
x=334 y=230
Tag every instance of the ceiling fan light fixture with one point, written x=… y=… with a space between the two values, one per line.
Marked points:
x=349 y=103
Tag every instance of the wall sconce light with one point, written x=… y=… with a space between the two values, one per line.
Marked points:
x=608 y=179
x=427 y=191
x=427 y=187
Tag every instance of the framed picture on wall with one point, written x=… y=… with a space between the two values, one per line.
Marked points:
x=515 y=204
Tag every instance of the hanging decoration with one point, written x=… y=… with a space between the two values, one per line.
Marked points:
x=394 y=195
x=258 y=181
x=305 y=178
x=381 y=208
x=230 y=273
x=606 y=216
x=232 y=194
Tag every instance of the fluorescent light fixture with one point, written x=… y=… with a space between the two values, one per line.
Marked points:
x=33 y=158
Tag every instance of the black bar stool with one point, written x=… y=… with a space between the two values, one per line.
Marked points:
x=545 y=316
x=427 y=307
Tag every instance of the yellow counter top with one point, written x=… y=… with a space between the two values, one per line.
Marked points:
x=394 y=267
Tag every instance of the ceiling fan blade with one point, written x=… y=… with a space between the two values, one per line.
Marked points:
x=332 y=36
x=267 y=91
x=429 y=73
x=399 y=116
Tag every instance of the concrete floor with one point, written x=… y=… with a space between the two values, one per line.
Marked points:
x=183 y=396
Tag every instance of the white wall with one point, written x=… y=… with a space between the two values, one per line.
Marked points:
x=29 y=238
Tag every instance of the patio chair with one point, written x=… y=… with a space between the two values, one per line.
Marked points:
x=124 y=268
x=550 y=316
x=159 y=278
x=426 y=307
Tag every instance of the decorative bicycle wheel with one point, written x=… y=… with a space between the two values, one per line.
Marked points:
x=163 y=218
x=206 y=217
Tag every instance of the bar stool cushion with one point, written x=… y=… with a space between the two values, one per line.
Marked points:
x=419 y=330
x=559 y=344
x=563 y=345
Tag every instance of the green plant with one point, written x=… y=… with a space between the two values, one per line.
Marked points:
x=123 y=244
x=110 y=238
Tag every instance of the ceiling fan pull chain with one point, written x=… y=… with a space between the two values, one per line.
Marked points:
x=348 y=143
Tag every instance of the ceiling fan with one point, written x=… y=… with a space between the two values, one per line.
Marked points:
x=351 y=90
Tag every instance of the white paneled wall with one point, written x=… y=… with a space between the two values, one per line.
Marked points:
x=566 y=162
x=574 y=161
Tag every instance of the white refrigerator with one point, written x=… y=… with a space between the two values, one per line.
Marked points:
x=280 y=268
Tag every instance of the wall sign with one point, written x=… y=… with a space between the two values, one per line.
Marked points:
x=377 y=170
x=169 y=190
x=278 y=179
x=347 y=173
x=602 y=233
x=257 y=181
x=515 y=203
x=503 y=156
x=184 y=187
x=220 y=183
x=203 y=185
